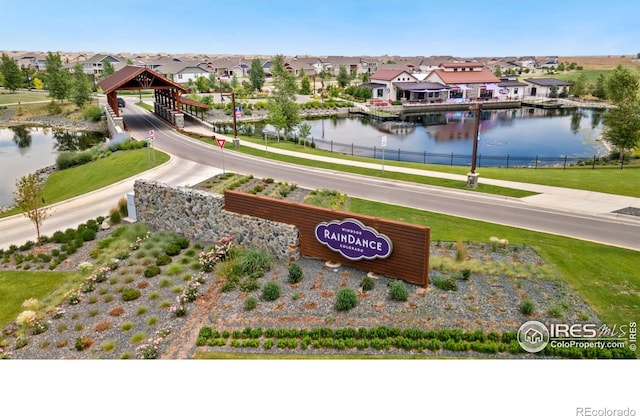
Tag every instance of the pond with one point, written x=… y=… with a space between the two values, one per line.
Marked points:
x=519 y=136
x=24 y=150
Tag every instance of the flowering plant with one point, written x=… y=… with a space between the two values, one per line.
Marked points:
x=26 y=318
x=149 y=350
x=208 y=259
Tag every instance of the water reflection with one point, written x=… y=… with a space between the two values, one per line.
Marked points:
x=66 y=141
x=22 y=138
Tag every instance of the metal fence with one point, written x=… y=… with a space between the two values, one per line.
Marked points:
x=452 y=159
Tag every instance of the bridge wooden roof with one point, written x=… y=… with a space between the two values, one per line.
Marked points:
x=137 y=78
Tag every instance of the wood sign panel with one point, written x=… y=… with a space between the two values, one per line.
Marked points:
x=409 y=258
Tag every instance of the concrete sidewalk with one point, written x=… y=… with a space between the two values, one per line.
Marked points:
x=178 y=172
x=570 y=200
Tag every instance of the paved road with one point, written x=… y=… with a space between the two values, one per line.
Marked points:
x=529 y=214
x=194 y=161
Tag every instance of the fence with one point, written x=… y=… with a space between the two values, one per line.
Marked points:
x=452 y=159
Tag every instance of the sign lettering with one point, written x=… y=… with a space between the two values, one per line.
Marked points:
x=354 y=240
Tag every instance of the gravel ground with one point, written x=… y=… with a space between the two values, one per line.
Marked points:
x=487 y=302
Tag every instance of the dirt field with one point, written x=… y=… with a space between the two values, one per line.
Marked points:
x=602 y=62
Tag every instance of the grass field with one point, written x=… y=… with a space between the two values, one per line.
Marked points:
x=68 y=183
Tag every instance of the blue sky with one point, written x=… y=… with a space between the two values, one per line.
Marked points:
x=329 y=27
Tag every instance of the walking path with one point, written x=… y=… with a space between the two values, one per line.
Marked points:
x=571 y=200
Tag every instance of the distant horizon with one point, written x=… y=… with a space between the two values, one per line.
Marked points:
x=480 y=28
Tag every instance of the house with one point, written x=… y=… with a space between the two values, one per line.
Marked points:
x=542 y=87
x=94 y=65
x=182 y=72
x=386 y=80
x=511 y=89
x=469 y=80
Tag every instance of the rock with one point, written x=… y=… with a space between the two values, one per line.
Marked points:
x=105 y=225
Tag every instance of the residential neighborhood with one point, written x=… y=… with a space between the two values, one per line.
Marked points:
x=409 y=80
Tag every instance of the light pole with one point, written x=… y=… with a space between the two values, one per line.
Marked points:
x=236 y=143
x=472 y=177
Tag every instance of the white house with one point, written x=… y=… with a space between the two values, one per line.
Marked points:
x=542 y=87
x=384 y=80
x=182 y=72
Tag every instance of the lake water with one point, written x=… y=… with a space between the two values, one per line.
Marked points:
x=520 y=134
x=24 y=150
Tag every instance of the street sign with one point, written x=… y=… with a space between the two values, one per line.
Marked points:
x=221 y=143
x=238 y=111
x=384 y=141
x=152 y=134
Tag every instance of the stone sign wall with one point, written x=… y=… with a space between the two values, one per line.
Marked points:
x=200 y=216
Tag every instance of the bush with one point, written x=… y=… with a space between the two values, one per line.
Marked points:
x=445 y=283
x=92 y=112
x=114 y=216
x=527 y=307
x=398 y=291
x=130 y=294
x=346 y=299
x=295 y=273
x=367 y=284
x=163 y=260
x=181 y=242
x=151 y=271
x=271 y=291
x=250 y=303
x=173 y=250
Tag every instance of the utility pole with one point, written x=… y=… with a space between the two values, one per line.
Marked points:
x=236 y=142
x=472 y=177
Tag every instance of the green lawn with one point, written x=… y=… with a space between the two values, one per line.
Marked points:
x=17 y=286
x=68 y=183
x=605 y=277
x=611 y=180
x=22 y=97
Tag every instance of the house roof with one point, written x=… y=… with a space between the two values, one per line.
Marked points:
x=135 y=78
x=462 y=65
x=466 y=77
x=387 y=74
x=421 y=86
x=512 y=83
x=548 y=82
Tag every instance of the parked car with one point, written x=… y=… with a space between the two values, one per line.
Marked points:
x=121 y=102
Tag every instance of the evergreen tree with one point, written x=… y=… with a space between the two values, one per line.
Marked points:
x=256 y=74
x=343 y=77
x=305 y=85
x=579 y=88
x=57 y=79
x=600 y=90
x=107 y=68
x=11 y=73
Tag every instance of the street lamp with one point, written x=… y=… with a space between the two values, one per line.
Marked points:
x=236 y=142
x=472 y=177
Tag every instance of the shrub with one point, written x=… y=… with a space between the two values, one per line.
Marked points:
x=83 y=343
x=367 y=284
x=172 y=250
x=130 y=294
x=445 y=283
x=295 y=273
x=92 y=112
x=114 y=216
x=527 y=307
x=181 y=242
x=162 y=260
x=271 y=291
x=151 y=271
x=398 y=291
x=346 y=299
x=250 y=303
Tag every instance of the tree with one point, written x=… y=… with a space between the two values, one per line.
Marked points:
x=28 y=197
x=600 y=89
x=305 y=131
x=282 y=110
x=57 y=78
x=579 y=87
x=305 y=85
x=343 y=77
x=365 y=77
x=11 y=73
x=497 y=71
x=80 y=86
x=202 y=85
x=107 y=68
x=622 y=123
x=256 y=74
x=553 y=92
x=234 y=82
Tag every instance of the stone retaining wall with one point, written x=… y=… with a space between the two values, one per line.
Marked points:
x=200 y=216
